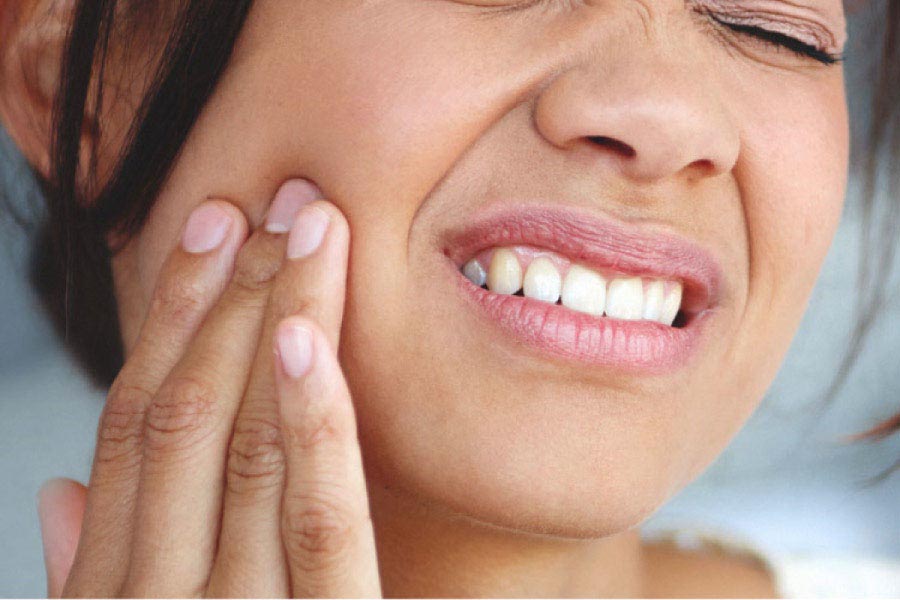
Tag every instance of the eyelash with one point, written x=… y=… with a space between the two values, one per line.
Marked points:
x=782 y=40
x=767 y=36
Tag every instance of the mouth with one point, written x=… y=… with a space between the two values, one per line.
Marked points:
x=586 y=289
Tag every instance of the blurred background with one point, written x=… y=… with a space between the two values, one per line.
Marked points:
x=791 y=483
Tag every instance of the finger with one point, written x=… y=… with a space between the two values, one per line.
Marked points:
x=190 y=282
x=326 y=528
x=60 y=511
x=312 y=283
x=189 y=422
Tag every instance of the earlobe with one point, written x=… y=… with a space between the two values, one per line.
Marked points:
x=32 y=38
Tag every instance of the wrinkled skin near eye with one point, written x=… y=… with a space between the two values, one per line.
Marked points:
x=420 y=119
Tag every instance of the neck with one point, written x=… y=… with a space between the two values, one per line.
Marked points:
x=424 y=552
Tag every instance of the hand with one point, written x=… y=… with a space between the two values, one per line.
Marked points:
x=227 y=462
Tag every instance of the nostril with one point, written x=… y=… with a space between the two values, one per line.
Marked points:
x=703 y=167
x=613 y=144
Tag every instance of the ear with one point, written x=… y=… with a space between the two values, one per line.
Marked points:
x=32 y=39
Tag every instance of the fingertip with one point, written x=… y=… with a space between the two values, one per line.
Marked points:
x=316 y=224
x=61 y=504
x=290 y=198
x=211 y=225
x=337 y=219
x=56 y=491
x=240 y=224
x=195 y=273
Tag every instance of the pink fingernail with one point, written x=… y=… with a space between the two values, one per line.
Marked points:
x=308 y=232
x=206 y=228
x=289 y=199
x=295 y=349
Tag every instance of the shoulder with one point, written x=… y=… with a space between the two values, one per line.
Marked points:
x=709 y=572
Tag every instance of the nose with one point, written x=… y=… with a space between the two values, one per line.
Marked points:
x=647 y=115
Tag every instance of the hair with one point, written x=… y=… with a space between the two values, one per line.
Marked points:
x=71 y=264
x=71 y=268
x=880 y=212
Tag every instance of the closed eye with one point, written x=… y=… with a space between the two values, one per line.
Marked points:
x=781 y=40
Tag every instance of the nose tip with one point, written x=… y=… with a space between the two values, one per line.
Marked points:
x=649 y=122
x=662 y=144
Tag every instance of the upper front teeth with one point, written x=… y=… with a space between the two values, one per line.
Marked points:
x=542 y=281
x=582 y=289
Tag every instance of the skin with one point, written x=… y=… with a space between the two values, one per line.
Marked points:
x=490 y=469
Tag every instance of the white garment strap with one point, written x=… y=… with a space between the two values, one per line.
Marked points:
x=795 y=575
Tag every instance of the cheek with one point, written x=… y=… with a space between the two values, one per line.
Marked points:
x=378 y=98
x=294 y=103
x=793 y=180
x=796 y=191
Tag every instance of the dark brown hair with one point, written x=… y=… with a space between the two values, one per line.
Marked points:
x=71 y=266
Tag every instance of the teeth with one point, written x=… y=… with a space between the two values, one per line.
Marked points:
x=542 y=281
x=475 y=273
x=672 y=304
x=585 y=291
x=625 y=299
x=505 y=274
x=654 y=296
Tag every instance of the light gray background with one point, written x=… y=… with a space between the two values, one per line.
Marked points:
x=787 y=483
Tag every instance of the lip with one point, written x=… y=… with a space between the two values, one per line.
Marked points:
x=601 y=244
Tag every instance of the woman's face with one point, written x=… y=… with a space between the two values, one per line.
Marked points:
x=616 y=139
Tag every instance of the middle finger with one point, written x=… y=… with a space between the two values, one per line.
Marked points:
x=311 y=283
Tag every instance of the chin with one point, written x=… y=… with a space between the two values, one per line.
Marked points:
x=575 y=473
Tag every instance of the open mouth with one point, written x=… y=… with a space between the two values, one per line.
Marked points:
x=548 y=277
x=586 y=289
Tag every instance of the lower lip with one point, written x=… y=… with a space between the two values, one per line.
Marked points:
x=551 y=329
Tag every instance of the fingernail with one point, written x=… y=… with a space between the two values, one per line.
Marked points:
x=292 y=195
x=308 y=232
x=206 y=228
x=295 y=349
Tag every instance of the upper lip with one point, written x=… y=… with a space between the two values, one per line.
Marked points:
x=595 y=242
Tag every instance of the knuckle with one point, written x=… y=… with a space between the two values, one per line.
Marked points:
x=315 y=430
x=121 y=427
x=255 y=458
x=285 y=302
x=255 y=269
x=179 y=300
x=316 y=528
x=181 y=416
